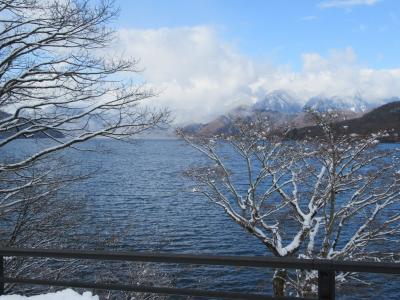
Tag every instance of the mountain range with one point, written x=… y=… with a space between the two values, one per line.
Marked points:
x=281 y=108
x=385 y=118
x=284 y=102
x=23 y=124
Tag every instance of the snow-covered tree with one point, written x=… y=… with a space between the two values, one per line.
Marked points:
x=332 y=196
x=57 y=82
x=61 y=85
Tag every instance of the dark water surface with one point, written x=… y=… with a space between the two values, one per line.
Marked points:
x=138 y=194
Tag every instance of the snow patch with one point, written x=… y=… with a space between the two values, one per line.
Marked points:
x=67 y=294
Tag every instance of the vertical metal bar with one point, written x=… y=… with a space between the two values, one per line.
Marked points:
x=326 y=285
x=1 y=275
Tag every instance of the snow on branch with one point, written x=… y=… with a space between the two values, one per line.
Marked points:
x=332 y=196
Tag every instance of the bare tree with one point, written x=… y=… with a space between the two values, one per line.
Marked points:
x=58 y=86
x=56 y=83
x=331 y=196
x=45 y=218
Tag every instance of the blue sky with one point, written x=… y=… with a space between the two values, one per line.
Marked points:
x=209 y=56
x=283 y=30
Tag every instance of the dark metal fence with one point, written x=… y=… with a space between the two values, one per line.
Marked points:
x=326 y=270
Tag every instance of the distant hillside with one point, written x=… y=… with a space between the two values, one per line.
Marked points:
x=224 y=124
x=42 y=134
x=220 y=125
x=384 y=118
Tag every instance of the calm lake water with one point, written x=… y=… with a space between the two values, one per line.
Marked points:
x=139 y=194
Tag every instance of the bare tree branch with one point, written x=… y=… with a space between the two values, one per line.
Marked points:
x=331 y=196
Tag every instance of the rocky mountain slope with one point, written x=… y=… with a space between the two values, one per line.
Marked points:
x=384 y=118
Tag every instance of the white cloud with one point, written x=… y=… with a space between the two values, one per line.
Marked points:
x=201 y=75
x=336 y=75
x=346 y=3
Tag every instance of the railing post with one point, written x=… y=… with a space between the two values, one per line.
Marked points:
x=326 y=285
x=1 y=275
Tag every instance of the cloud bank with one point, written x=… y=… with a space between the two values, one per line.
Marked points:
x=201 y=75
x=346 y=3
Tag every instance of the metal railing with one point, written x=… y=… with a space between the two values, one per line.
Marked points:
x=326 y=270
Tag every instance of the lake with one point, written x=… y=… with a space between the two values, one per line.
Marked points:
x=139 y=194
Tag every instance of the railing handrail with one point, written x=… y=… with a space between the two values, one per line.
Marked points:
x=326 y=270
x=201 y=259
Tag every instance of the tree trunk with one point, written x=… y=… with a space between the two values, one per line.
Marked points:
x=279 y=282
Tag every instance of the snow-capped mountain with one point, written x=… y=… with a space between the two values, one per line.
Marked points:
x=278 y=101
x=283 y=108
x=354 y=104
x=284 y=102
